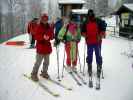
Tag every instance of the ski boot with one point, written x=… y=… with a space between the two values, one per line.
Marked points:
x=90 y=75
x=90 y=82
x=98 y=77
x=98 y=84
x=44 y=75
x=34 y=76
x=69 y=69
x=74 y=69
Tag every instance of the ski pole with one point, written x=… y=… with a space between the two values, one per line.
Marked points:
x=63 y=64
x=102 y=74
x=57 y=53
x=130 y=48
x=101 y=57
x=79 y=60
x=84 y=60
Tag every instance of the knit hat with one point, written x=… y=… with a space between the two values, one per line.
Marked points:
x=91 y=13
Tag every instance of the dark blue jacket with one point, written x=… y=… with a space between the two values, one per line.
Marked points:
x=58 y=26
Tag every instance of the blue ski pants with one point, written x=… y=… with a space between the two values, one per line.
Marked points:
x=97 y=49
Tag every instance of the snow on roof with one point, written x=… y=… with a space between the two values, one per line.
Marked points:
x=129 y=6
x=80 y=11
x=71 y=2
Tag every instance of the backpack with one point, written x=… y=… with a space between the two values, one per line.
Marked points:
x=101 y=24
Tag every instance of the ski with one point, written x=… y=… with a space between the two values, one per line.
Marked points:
x=76 y=80
x=73 y=76
x=59 y=84
x=43 y=86
x=81 y=78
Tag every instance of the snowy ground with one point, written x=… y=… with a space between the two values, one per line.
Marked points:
x=118 y=73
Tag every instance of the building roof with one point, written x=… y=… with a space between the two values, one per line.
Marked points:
x=128 y=7
x=71 y=1
x=80 y=11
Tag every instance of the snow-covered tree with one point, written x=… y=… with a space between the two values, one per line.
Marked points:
x=0 y=17
x=90 y=4
x=100 y=7
x=34 y=8
x=128 y=1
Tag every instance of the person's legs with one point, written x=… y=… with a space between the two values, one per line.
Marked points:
x=44 y=72
x=89 y=62
x=68 y=59
x=98 y=59
x=36 y=67
x=89 y=58
x=74 y=57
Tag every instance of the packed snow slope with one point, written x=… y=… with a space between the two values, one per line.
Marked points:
x=117 y=69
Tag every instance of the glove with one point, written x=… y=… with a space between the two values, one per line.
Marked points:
x=76 y=40
x=56 y=42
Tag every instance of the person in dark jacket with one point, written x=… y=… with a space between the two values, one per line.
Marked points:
x=43 y=35
x=31 y=31
x=58 y=25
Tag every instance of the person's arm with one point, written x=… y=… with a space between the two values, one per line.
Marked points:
x=50 y=34
x=103 y=34
x=28 y=28
x=78 y=34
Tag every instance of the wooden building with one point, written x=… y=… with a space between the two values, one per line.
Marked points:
x=66 y=6
x=125 y=13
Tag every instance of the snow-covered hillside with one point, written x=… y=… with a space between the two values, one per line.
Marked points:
x=118 y=73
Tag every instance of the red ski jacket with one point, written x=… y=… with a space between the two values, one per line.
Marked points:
x=93 y=34
x=92 y=31
x=43 y=46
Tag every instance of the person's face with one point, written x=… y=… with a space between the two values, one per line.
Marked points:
x=44 y=21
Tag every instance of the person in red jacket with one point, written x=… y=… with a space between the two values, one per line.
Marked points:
x=31 y=31
x=43 y=35
x=93 y=35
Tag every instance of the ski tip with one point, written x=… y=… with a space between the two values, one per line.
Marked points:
x=56 y=95
x=70 y=89
x=102 y=77
x=80 y=84
x=97 y=88
x=85 y=83
x=25 y=75
x=59 y=79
